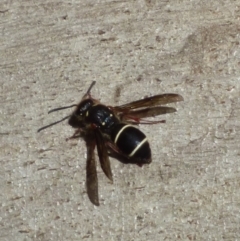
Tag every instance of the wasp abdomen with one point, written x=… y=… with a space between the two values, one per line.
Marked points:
x=131 y=142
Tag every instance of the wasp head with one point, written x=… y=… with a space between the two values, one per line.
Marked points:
x=78 y=117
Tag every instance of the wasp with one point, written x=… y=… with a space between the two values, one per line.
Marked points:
x=113 y=130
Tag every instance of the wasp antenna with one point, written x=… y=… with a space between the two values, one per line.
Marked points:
x=61 y=108
x=87 y=95
x=54 y=123
x=89 y=89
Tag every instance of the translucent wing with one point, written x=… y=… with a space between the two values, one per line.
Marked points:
x=92 y=180
x=150 y=102
x=103 y=154
x=148 y=112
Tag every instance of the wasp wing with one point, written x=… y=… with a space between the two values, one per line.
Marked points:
x=150 y=102
x=92 y=180
x=103 y=154
x=147 y=112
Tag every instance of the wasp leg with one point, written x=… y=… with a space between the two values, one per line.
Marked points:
x=77 y=134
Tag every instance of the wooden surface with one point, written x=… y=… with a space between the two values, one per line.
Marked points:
x=50 y=53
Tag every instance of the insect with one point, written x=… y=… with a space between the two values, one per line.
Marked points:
x=112 y=130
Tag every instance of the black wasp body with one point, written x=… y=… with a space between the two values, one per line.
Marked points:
x=112 y=130
x=127 y=139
